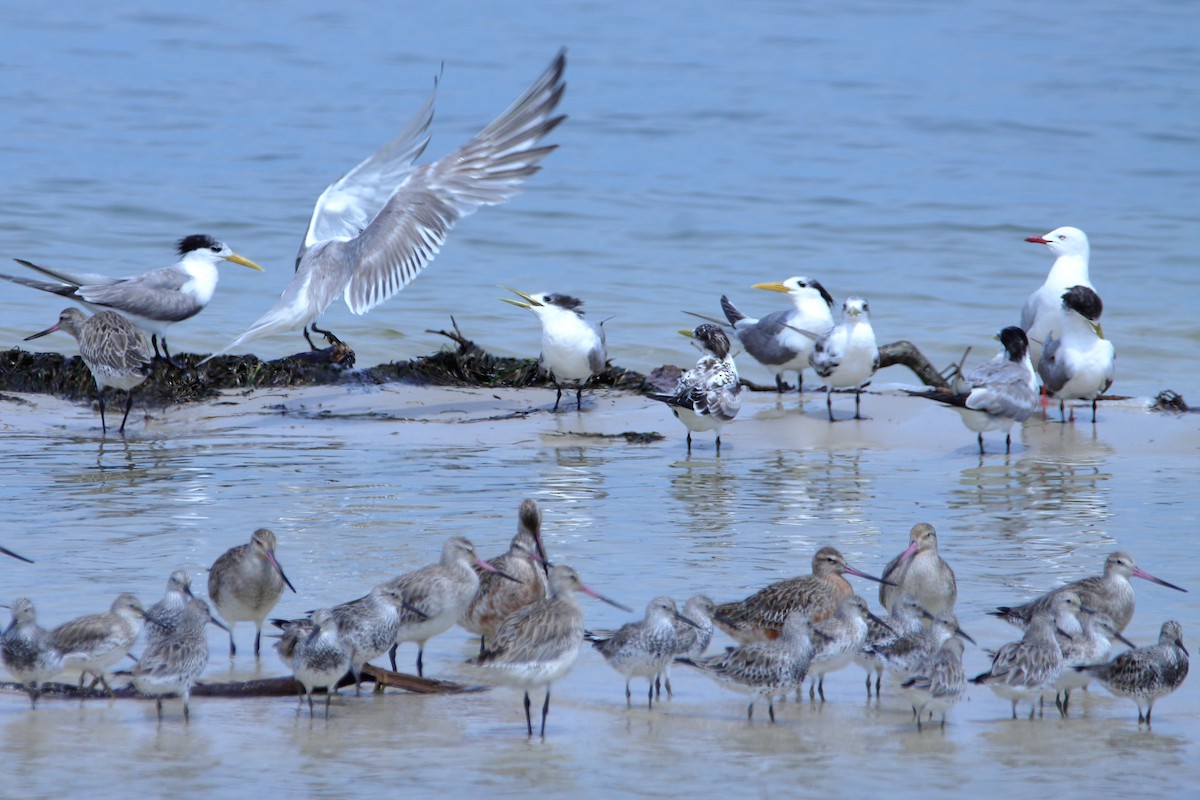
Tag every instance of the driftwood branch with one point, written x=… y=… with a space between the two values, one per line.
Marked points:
x=261 y=687
x=906 y=354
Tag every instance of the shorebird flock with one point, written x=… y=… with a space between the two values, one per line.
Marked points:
x=376 y=228
x=527 y=614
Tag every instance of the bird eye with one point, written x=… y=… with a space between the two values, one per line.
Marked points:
x=1062 y=237
x=215 y=248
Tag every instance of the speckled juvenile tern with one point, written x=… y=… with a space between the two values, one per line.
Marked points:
x=773 y=340
x=708 y=395
x=153 y=300
x=573 y=348
x=377 y=227
x=1040 y=316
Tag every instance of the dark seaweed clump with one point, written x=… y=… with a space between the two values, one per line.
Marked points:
x=465 y=365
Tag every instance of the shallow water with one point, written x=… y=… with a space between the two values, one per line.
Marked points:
x=637 y=520
x=898 y=154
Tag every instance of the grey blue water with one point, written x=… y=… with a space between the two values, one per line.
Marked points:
x=901 y=152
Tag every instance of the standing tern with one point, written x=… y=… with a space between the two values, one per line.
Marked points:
x=846 y=356
x=999 y=393
x=378 y=226
x=709 y=394
x=573 y=348
x=114 y=350
x=152 y=300
x=1079 y=364
x=773 y=341
x=1040 y=316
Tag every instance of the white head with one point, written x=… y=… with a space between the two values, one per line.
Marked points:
x=1065 y=241
x=855 y=308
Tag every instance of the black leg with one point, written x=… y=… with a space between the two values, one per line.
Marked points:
x=981 y=444
x=232 y=646
x=857 y=399
x=1007 y=443
x=718 y=445
x=128 y=405
x=257 y=640
x=310 y=707
x=329 y=337
x=628 y=695
x=308 y=339
x=579 y=398
x=689 y=440
x=557 y=398
x=650 y=699
x=100 y=399
x=1093 y=411
x=528 y=719
x=545 y=711
x=821 y=688
x=779 y=387
x=168 y=357
x=420 y=661
x=392 y=655
x=771 y=707
x=829 y=402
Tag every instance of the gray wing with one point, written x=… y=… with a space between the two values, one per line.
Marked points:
x=761 y=338
x=349 y=204
x=73 y=278
x=1053 y=372
x=1001 y=388
x=598 y=355
x=155 y=295
x=407 y=233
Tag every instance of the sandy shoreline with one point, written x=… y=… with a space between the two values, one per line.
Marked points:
x=428 y=415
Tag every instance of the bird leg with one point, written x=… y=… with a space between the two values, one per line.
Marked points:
x=557 y=398
x=650 y=698
x=257 y=639
x=718 y=445
x=689 y=441
x=579 y=397
x=628 y=694
x=857 y=399
x=420 y=664
x=232 y=646
x=771 y=707
x=528 y=719
x=829 y=402
x=392 y=655
x=166 y=356
x=545 y=711
x=128 y=405
x=329 y=337
x=100 y=400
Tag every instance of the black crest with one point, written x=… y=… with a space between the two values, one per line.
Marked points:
x=825 y=295
x=1085 y=301
x=565 y=301
x=197 y=241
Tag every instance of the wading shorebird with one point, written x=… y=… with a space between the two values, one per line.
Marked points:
x=114 y=350
x=95 y=642
x=921 y=572
x=643 y=648
x=27 y=649
x=172 y=664
x=246 y=582
x=526 y=562
x=1110 y=594
x=1146 y=673
x=538 y=644
x=760 y=616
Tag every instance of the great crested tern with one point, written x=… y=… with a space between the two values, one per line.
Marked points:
x=999 y=393
x=153 y=300
x=378 y=226
x=709 y=394
x=1040 y=316
x=773 y=341
x=573 y=348
x=115 y=351
x=846 y=356
x=1079 y=364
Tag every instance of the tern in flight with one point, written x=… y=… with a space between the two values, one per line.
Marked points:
x=378 y=226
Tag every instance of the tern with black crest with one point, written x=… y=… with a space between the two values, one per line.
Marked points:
x=573 y=348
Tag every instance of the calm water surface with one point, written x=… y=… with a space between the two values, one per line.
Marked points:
x=898 y=154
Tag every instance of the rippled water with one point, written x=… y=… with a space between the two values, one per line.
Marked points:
x=902 y=154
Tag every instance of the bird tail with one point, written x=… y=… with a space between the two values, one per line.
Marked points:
x=280 y=318
x=1009 y=615
x=63 y=289
x=731 y=312
x=707 y=318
